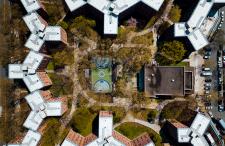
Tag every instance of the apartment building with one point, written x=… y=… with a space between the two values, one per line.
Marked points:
x=201 y=132
x=112 y=9
x=32 y=72
x=106 y=136
x=192 y=29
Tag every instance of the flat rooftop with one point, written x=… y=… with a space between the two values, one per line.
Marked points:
x=35 y=23
x=164 y=81
x=52 y=33
x=32 y=138
x=31 y=5
x=34 y=42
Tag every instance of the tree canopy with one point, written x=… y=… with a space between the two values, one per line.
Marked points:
x=133 y=58
x=170 y=53
x=62 y=85
x=175 y=14
x=64 y=57
x=83 y=26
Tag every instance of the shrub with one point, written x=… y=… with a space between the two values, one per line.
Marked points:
x=175 y=13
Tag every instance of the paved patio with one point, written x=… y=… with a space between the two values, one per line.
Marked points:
x=197 y=61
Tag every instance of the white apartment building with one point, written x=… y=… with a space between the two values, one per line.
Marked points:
x=112 y=9
x=192 y=28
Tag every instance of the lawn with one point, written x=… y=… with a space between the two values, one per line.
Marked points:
x=51 y=66
x=82 y=121
x=144 y=114
x=51 y=134
x=133 y=130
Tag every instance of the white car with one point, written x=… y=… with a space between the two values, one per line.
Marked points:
x=206 y=69
x=207 y=84
x=223 y=58
x=207 y=73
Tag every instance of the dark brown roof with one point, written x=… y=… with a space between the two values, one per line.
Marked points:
x=164 y=81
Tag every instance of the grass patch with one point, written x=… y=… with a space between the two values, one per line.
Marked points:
x=51 y=66
x=133 y=130
x=63 y=134
x=51 y=133
x=82 y=121
x=146 y=39
x=144 y=114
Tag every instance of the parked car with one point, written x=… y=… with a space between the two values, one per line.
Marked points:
x=207 y=84
x=223 y=58
x=208 y=53
x=206 y=73
x=220 y=64
x=220 y=106
x=219 y=72
x=208 y=80
x=205 y=69
x=207 y=91
x=208 y=105
x=207 y=88
x=220 y=80
x=206 y=56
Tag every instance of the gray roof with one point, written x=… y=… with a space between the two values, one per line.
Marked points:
x=164 y=81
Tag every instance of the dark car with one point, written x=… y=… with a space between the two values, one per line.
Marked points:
x=208 y=49
x=220 y=106
x=208 y=80
x=207 y=88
